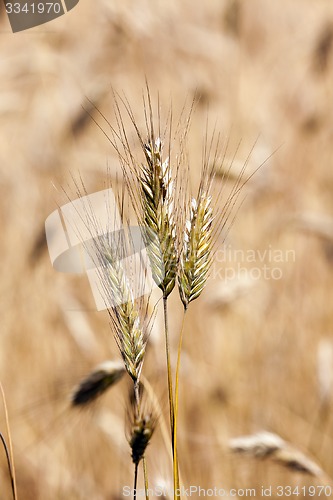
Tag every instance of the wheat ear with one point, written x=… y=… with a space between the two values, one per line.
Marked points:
x=157 y=207
x=197 y=246
x=125 y=313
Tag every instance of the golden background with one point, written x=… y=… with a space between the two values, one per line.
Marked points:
x=258 y=354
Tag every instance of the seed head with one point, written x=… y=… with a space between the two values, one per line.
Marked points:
x=97 y=382
x=158 y=216
x=142 y=428
x=125 y=315
x=196 y=253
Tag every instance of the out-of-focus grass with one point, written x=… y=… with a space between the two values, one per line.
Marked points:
x=262 y=69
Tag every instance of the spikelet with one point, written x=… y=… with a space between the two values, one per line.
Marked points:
x=157 y=207
x=196 y=254
x=142 y=424
x=97 y=382
x=130 y=337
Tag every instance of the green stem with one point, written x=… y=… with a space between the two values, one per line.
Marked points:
x=175 y=447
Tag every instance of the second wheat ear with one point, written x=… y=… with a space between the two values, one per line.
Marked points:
x=196 y=254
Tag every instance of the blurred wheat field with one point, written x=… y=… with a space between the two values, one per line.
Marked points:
x=258 y=351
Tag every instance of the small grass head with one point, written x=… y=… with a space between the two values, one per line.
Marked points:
x=141 y=426
x=97 y=382
x=271 y=446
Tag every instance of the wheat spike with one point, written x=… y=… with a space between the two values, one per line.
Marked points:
x=157 y=205
x=196 y=254
x=125 y=314
x=142 y=423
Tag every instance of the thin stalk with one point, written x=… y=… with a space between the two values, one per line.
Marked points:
x=175 y=448
x=137 y=396
x=9 y=465
x=145 y=474
x=135 y=481
x=10 y=455
x=162 y=423
x=167 y=350
x=171 y=404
